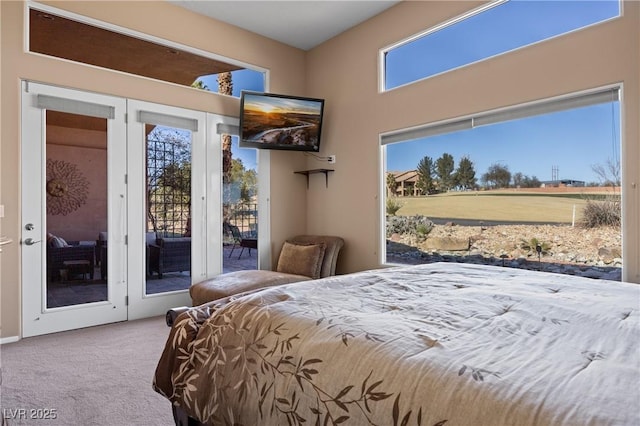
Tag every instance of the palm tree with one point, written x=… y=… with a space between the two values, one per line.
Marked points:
x=199 y=84
x=391 y=185
x=225 y=87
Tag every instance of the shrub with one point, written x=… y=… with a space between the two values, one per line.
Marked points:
x=418 y=226
x=393 y=206
x=601 y=213
x=533 y=244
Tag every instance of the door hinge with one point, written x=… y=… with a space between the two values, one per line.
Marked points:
x=126 y=179
x=126 y=240
x=126 y=118
x=126 y=300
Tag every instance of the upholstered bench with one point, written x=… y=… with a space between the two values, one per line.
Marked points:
x=302 y=258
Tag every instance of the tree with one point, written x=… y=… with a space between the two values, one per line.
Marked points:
x=444 y=172
x=518 y=180
x=497 y=176
x=242 y=184
x=246 y=179
x=199 y=84
x=521 y=180
x=465 y=175
x=225 y=87
x=391 y=184
x=168 y=179
x=608 y=173
x=425 y=175
x=531 y=182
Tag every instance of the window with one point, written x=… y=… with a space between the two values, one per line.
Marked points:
x=168 y=181
x=72 y=39
x=240 y=207
x=241 y=80
x=499 y=27
x=535 y=186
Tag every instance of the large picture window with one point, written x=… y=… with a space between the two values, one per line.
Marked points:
x=536 y=186
x=499 y=27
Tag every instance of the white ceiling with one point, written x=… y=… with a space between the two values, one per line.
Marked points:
x=303 y=24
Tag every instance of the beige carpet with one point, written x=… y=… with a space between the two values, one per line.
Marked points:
x=93 y=376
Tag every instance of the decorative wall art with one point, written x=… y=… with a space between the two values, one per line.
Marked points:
x=67 y=188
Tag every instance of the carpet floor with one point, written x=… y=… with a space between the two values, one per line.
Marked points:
x=93 y=376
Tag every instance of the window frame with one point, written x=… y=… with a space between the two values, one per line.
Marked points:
x=29 y=5
x=392 y=137
x=382 y=53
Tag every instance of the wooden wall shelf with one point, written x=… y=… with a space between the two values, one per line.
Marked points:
x=314 y=171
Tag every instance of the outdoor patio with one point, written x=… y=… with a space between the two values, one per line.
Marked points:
x=79 y=291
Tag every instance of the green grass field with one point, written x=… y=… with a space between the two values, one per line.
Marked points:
x=557 y=208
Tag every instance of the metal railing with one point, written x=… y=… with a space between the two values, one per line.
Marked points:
x=244 y=216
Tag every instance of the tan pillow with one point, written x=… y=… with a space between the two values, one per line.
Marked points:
x=301 y=259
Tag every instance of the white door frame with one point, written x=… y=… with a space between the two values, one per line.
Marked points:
x=126 y=178
x=36 y=317
x=142 y=305
x=218 y=125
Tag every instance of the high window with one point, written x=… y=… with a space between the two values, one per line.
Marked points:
x=499 y=27
x=67 y=36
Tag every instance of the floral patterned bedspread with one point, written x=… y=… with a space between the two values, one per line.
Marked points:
x=438 y=344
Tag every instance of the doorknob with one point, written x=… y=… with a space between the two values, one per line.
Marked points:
x=30 y=242
x=29 y=227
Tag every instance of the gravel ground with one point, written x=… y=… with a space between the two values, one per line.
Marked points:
x=595 y=253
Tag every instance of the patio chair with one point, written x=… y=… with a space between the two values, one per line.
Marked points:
x=240 y=241
x=72 y=251
x=169 y=255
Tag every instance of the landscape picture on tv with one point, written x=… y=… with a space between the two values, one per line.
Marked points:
x=271 y=121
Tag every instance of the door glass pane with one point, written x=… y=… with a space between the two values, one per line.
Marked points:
x=76 y=206
x=168 y=209
x=240 y=206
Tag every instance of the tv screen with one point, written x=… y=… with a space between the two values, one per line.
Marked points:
x=271 y=121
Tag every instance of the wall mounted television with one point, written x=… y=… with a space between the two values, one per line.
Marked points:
x=272 y=121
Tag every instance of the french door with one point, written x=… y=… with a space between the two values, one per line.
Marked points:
x=121 y=207
x=167 y=216
x=73 y=189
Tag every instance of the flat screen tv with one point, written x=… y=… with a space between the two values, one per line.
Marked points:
x=271 y=121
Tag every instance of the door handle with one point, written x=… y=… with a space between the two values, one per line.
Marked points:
x=30 y=241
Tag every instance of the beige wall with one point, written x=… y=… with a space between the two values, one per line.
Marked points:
x=84 y=223
x=160 y=19
x=344 y=71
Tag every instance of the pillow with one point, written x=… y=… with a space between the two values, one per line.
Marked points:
x=56 y=242
x=301 y=259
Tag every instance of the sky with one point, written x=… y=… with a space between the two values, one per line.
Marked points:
x=281 y=104
x=571 y=141
x=242 y=80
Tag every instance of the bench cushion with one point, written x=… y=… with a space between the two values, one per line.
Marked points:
x=238 y=282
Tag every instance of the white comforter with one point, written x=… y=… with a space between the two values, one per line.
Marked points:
x=439 y=344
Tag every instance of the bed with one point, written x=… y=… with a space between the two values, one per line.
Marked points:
x=436 y=344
